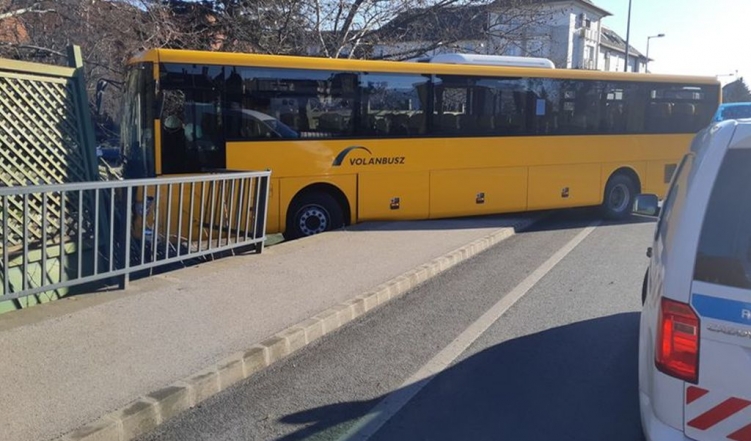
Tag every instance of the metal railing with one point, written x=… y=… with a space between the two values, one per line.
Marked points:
x=74 y=234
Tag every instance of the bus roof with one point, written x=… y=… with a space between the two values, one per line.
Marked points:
x=340 y=64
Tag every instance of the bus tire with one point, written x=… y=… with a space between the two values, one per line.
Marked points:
x=313 y=213
x=619 y=197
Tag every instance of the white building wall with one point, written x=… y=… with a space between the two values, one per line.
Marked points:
x=599 y=38
x=617 y=60
x=586 y=39
x=636 y=64
x=603 y=60
x=533 y=41
x=467 y=46
x=562 y=39
x=557 y=39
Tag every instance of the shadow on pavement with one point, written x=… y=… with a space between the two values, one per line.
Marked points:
x=574 y=382
x=581 y=218
x=547 y=220
x=456 y=223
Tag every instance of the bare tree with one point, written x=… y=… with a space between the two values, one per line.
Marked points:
x=474 y=26
x=523 y=24
x=736 y=92
x=40 y=31
x=349 y=28
x=353 y=28
x=265 y=26
x=13 y=32
x=12 y=10
x=111 y=31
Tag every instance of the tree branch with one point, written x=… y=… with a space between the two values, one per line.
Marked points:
x=34 y=48
x=20 y=12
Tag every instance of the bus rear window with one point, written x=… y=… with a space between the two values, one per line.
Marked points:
x=724 y=255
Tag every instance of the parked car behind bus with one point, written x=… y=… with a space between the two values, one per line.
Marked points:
x=732 y=111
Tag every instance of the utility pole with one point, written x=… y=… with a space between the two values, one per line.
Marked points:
x=628 y=36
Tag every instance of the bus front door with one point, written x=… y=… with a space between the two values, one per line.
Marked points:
x=192 y=134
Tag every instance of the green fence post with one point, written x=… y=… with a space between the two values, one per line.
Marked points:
x=88 y=140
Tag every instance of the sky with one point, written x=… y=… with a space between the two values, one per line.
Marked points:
x=702 y=37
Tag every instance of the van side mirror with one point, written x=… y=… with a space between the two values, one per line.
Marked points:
x=646 y=205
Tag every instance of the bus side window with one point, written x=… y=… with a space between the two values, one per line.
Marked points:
x=635 y=98
x=174 y=140
x=271 y=103
x=680 y=109
x=477 y=106
x=192 y=129
x=453 y=106
x=392 y=104
x=659 y=115
x=684 y=116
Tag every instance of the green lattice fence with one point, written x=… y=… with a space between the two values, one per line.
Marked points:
x=46 y=137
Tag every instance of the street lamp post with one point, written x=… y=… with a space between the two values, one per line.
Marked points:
x=628 y=36
x=646 y=67
x=731 y=74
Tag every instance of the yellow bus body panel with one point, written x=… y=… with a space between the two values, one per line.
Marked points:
x=658 y=175
x=560 y=186
x=390 y=195
x=515 y=173
x=478 y=191
x=215 y=214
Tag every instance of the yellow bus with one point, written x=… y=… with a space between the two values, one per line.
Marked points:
x=356 y=140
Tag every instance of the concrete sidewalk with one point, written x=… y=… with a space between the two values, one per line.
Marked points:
x=67 y=363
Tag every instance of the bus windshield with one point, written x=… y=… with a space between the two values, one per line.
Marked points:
x=137 y=128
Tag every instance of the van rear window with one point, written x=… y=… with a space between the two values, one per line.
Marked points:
x=724 y=255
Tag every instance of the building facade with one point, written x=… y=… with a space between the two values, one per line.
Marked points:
x=613 y=54
x=568 y=32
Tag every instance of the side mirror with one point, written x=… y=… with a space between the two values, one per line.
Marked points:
x=646 y=205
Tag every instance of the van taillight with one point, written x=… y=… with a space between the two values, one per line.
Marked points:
x=677 y=346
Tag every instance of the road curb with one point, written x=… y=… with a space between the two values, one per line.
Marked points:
x=149 y=411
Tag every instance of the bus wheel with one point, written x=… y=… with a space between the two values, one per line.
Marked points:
x=312 y=214
x=619 y=197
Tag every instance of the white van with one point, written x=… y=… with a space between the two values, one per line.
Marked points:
x=695 y=333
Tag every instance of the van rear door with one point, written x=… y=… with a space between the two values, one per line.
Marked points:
x=717 y=403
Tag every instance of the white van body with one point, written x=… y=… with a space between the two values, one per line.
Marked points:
x=695 y=331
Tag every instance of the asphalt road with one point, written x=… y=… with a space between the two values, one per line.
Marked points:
x=560 y=363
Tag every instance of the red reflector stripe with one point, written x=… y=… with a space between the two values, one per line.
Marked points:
x=744 y=434
x=719 y=413
x=693 y=393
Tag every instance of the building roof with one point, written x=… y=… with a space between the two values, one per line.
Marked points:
x=615 y=42
x=453 y=23
x=588 y=3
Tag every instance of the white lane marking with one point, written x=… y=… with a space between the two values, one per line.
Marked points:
x=368 y=425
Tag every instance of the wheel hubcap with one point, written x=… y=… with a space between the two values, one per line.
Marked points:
x=313 y=220
x=619 y=198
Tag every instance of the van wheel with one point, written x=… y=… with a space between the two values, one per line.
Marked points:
x=312 y=214
x=644 y=287
x=619 y=197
